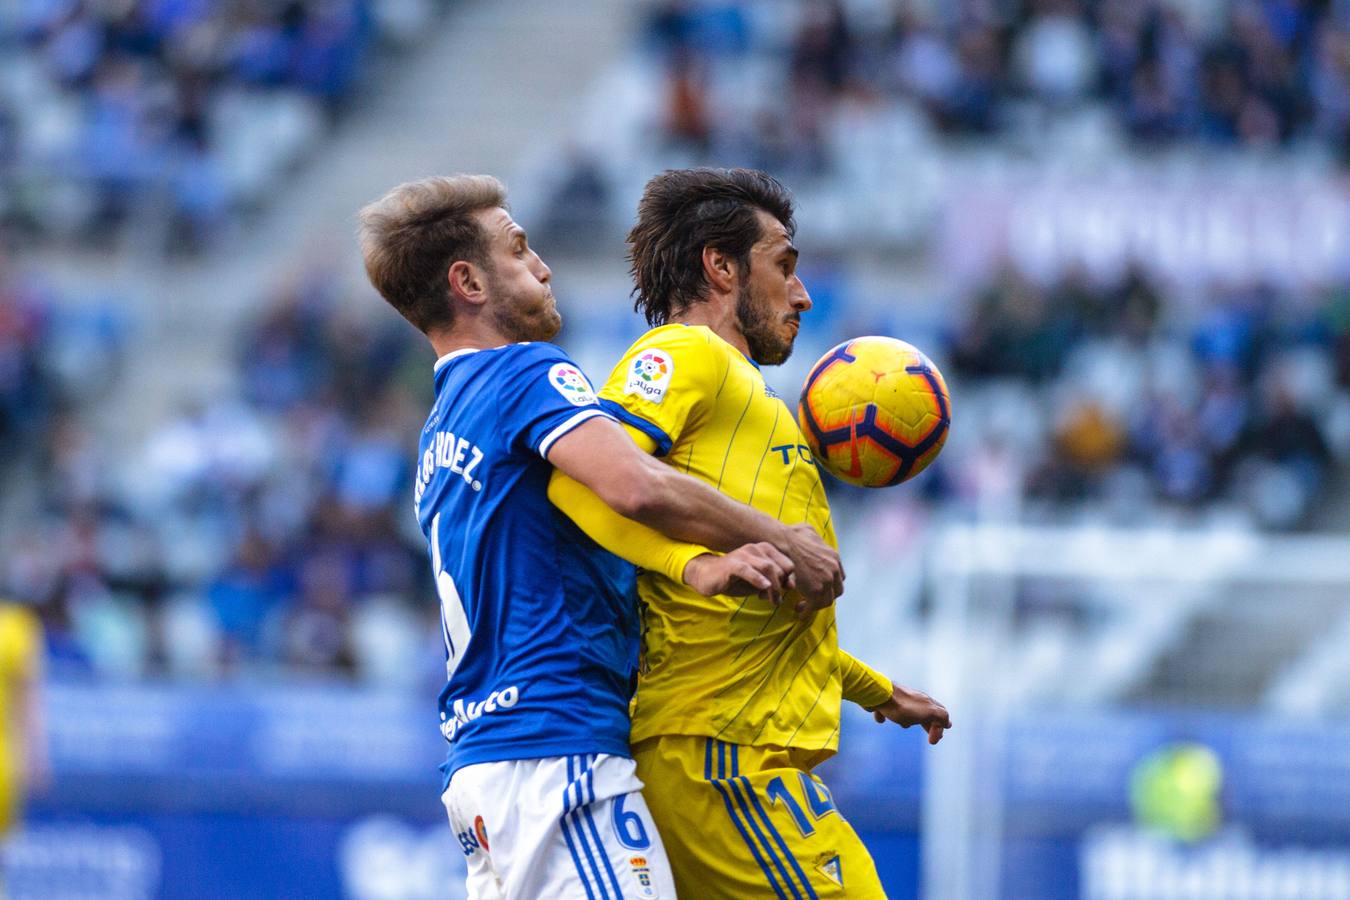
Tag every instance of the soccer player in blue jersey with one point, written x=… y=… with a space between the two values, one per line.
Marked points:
x=540 y=623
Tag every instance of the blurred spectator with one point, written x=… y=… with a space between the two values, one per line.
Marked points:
x=688 y=122
x=1016 y=328
x=1287 y=460
x=242 y=595
x=29 y=396
x=1054 y=52
x=823 y=50
x=317 y=635
x=580 y=203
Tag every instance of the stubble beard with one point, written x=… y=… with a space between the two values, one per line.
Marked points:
x=520 y=318
x=765 y=342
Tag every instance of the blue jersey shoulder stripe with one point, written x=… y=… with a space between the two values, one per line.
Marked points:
x=663 y=441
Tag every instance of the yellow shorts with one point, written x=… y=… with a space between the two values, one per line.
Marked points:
x=744 y=822
x=11 y=794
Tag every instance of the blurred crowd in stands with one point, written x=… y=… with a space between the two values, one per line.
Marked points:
x=172 y=113
x=270 y=529
x=1251 y=72
x=1243 y=402
x=260 y=530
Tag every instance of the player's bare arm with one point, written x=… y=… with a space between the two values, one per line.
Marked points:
x=908 y=706
x=601 y=456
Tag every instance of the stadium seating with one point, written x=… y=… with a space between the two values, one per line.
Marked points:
x=176 y=117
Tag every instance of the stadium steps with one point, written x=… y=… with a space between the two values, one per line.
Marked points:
x=1317 y=681
x=1264 y=645
x=1331 y=513
x=1231 y=654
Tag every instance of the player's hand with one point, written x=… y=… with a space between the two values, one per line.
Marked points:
x=819 y=570
x=750 y=569
x=910 y=707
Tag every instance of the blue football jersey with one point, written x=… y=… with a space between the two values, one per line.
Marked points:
x=540 y=623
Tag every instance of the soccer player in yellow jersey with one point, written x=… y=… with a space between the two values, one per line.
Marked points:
x=23 y=746
x=737 y=699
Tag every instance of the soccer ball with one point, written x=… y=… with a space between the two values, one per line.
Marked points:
x=875 y=411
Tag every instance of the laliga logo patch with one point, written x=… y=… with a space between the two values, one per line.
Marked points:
x=568 y=381
x=649 y=375
x=643 y=873
x=480 y=831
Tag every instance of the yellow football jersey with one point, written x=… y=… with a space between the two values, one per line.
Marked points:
x=20 y=655
x=732 y=668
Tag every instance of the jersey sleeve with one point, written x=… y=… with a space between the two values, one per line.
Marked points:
x=544 y=396
x=862 y=684
x=20 y=642
x=665 y=384
x=644 y=547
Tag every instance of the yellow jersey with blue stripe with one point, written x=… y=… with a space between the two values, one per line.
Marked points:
x=736 y=669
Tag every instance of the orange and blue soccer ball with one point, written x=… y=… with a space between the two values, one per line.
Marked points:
x=875 y=411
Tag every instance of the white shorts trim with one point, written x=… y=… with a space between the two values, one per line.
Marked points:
x=572 y=828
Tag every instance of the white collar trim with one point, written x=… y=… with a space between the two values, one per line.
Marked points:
x=449 y=356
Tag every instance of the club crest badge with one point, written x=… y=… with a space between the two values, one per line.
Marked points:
x=831 y=868
x=643 y=873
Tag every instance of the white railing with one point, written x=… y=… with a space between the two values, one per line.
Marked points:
x=1148 y=586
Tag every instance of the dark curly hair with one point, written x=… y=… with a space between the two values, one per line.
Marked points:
x=684 y=210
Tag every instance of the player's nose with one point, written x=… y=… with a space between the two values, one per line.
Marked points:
x=542 y=271
x=798 y=296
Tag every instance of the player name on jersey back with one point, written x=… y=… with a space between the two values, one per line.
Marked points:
x=448 y=451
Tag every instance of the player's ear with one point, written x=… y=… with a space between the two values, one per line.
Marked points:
x=467 y=282
x=720 y=269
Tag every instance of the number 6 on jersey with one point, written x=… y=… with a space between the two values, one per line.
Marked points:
x=454 y=620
